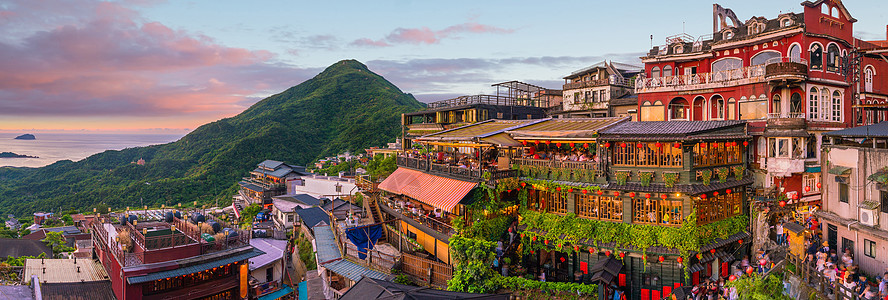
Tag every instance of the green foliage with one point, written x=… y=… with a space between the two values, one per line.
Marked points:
x=524 y=284
x=622 y=177
x=306 y=254
x=738 y=172
x=346 y=107
x=250 y=213
x=645 y=178
x=381 y=166
x=759 y=288
x=472 y=272
x=5 y=232
x=20 y=261
x=359 y=199
x=707 y=176
x=56 y=241
x=722 y=174
x=670 y=179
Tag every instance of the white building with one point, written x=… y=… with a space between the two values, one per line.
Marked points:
x=267 y=270
x=320 y=186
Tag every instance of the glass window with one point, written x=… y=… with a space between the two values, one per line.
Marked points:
x=837 y=107
x=883 y=195
x=795 y=53
x=783 y=147
x=795 y=104
x=763 y=57
x=832 y=59
x=843 y=192
x=868 y=79
x=811 y=182
x=824 y=104
x=869 y=248
x=667 y=71
x=678 y=111
x=813 y=104
x=816 y=57
x=593 y=95
x=655 y=72
x=602 y=95
x=776 y=106
x=727 y=64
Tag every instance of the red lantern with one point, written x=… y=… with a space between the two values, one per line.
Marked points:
x=616 y=193
x=782 y=203
x=749 y=270
x=623 y=145
x=658 y=145
x=531 y=252
x=585 y=191
x=715 y=193
x=702 y=145
x=518 y=189
x=534 y=238
x=663 y=196
x=728 y=191
x=679 y=259
x=645 y=257
x=732 y=278
x=734 y=144
x=508 y=191
x=524 y=143
x=807 y=188
x=606 y=145
x=510 y=229
x=740 y=241
x=571 y=144
x=607 y=253
x=546 y=241
x=585 y=145
x=577 y=248
x=640 y=145
x=570 y=190
x=599 y=192
x=818 y=185
x=622 y=254
x=677 y=145
x=591 y=250
x=631 y=194
x=795 y=196
x=562 y=259
x=661 y=259
x=703 y=196
x=558 y=145
x=523 y=184
x=647 y=196
x=712 y=251
x=558 y=188
x=548 y=142
x=522 y=235
x=745 y=143
x=699 y=256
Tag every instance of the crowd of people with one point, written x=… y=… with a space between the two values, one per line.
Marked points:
x=560 y=154
x=842 y=271
x=475 y=160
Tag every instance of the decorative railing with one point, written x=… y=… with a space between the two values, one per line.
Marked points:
x=792 y=115
x=557 y=170
x=599 y=82
x=441 y=225
x=470 y=173
x=745 y=75
x=783 y=67
x=489 y=100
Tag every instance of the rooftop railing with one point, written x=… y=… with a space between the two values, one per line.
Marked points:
x=490 y=100
x=469 y=172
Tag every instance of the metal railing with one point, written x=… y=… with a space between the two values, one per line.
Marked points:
x=751 y=74
x=599 y=82
x=794 y=115
x=816 y=282
x=783 y=59
x=490 y=100
x=470 y=173
x=547 y=165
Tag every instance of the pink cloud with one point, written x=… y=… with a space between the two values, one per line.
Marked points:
x=427 y=36
x=99 y=58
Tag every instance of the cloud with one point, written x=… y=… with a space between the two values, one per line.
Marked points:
x=424 y=35
x=106 y=60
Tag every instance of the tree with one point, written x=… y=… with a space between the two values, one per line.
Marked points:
x=5 y=232
x=56 y=241
x=759 y=288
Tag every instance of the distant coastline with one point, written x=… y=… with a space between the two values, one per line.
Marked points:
x=15 y=155
x=26 y=136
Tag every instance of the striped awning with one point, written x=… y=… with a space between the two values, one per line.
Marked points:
x=437 y=191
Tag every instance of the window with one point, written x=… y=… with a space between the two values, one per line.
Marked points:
x=678 y=111
x=718 y=106
x=290 y=218
x=602 y=95
x=732 y=109
x=713 y=154
x=824 y=9
x=883 y=196
x=813 y=104
x=868 y=79
x=599 y=207
x=835 y=12
x=269 y=274
x=656 y=211
x=824 y=104
x=795 y=53
x=836 y=106
x=591 y=95
x=667 y=71
x=869 y=248
x=647 y=154
x=795 y=104
x=678 y=49
x=843 y=192
x=811 y=182
x=655 y=72
x=338 y=188
x=577 y=98
x=832 y=58
x=763 y=57
x=776 y=106
x=816 y=57
x=727 y=64
x=727 y=35
x=786 y=22
x=719 y=207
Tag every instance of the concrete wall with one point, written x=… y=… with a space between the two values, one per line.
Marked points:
x=322 y=186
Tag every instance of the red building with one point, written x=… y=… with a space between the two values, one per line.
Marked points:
x=792 y=77
x=160 y=260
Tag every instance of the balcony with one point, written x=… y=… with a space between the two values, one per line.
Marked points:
x=783 y=70
x=598 y=82
x=579 y=171
x=741 y=76
x=471 y=173
x=786 y=121
x=413 y=212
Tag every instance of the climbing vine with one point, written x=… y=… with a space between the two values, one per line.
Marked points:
x=622 y=177
x=707 y=176
x=670 y=179
x=722 y=174
x=645 y=178
x=738 y=172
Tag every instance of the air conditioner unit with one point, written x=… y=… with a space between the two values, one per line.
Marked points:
x=869 y=217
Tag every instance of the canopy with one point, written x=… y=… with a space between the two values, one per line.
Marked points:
x=437 y=191
x=839 y=170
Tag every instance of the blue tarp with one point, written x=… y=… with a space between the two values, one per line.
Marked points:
x=302 y=291
x=364 y=238
x=285 y=290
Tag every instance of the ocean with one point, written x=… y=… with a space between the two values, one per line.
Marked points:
x=52 y=147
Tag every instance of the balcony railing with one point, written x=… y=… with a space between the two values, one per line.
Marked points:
x=745 y=75
x=790 y=115
x=780 y=68
x=470 y=173
x=598 y=82
x=490 y=100
x=441 y=225
x=558 y=170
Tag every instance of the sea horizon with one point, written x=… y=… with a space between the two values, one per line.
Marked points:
x=51 y=147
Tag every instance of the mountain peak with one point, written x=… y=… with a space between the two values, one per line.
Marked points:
x=346 y=64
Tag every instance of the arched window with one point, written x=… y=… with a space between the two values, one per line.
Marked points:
x=655 y=72
x=832 y=59
x=835 y=12
x=776 y=105
x=795 y=53
x=667 y=71
x=813 y=104
x=868 y=79
x=678 y=109
x=824 y=104
x=816 y=57
x=795 y=104
x=824 y=9
x=718 y=108
x=764 y=56
x=836 y=106
x=728 y=35
x=678 y=49
x=732 y=109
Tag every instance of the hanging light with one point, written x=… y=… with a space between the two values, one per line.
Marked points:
x=807 y=188
x=715 y=193
x=591 y=250
x=647 y=196
x=702 y=196
x=570 y=190
x=606 y=145
x=782 y=203
x=623 y=145
x=663 y=196
x=679 y=259
x=599 y=192
x=631 y=194
x=728 y=191
x=745 y=143
x=661 y=259
x=607 y=253
x=640 y=145
x=658 y=144
x=616 y=193
x=524 y=143
x=571 y=144
x=558 y=144
x=677 y=145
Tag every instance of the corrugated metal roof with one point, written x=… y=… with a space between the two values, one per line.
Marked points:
x=669 y=127
x=313 y=216
x=353 y=271
x=325 y=244
x=65 y=270
x=581 y=128
x=195 y=268
x=252 y=187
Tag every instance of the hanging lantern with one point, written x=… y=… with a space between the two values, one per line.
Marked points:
x=712 y=251
x=606 y=145
x=585 y=191
x=733 y=144
x=661 y=259
x=702 y=145
x=571 y=144
x=715 y=193
x=782 y=203
x=508 y=191
x=807 y=188
x=558 y=144
x=677 y=145
x=546 y=241
x=644 y=257
x=522 y=235
x=640 y=145
x=749 y=270
x=663 y=196
x=679 y=259
x=558 y=188
x=591 y=250
x=534 y=238
x=518 y=189
x=562 y=259
x=622 y=254
x=607 y=253
x=632 y=194
x=728 y=191
x=570 y=190
x=548 y=142
x=745 y=143
x=531 y=252
x=740 y=241
x=818 y=185
x=616 y=193
x=647 y=196
x=524 y=143
x=658 y=145
x=795 y=196
x=702 y=196
x=732 y=278
x=623 y=145
x=699 y=256
x=599 y=192
x=576 y=248
x=523 y=184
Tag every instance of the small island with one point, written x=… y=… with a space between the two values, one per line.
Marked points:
x=26 y=136
x=15 y=155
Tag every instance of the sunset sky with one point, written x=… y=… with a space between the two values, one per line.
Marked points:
x=156 y=66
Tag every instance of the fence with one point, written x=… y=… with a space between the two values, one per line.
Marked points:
x=432 y=272
x=816 y=282
x=375 y=260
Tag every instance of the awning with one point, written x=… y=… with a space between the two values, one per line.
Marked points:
x=286 y=290
x=839 y=170
x=502 y=139
x=437 y=191
x=195 y=268
x=812 y=169
x=398 y=180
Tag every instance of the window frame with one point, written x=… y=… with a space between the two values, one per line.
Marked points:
x=816 y=56
x=844 y=192
x=869 y=248
x=883 y=198
x=836 y=108
x=813 y=104
x=833 y=58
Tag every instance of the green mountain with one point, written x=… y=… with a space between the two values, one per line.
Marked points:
x=345 y=107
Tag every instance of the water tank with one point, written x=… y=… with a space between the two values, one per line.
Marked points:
x=215 y=225
x=168 y=217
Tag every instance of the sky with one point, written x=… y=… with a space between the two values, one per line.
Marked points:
x=170 y=66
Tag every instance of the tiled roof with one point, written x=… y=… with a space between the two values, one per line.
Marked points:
x=313 y=216
x=23 y=247
x=251 y=186
x=668 y=128
x=65 y=270
x=274 y=251
x=244 y=255
x=94 y=290
x=875 y=130
x=569 y=128
x=369 y=288
x=353 y=271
